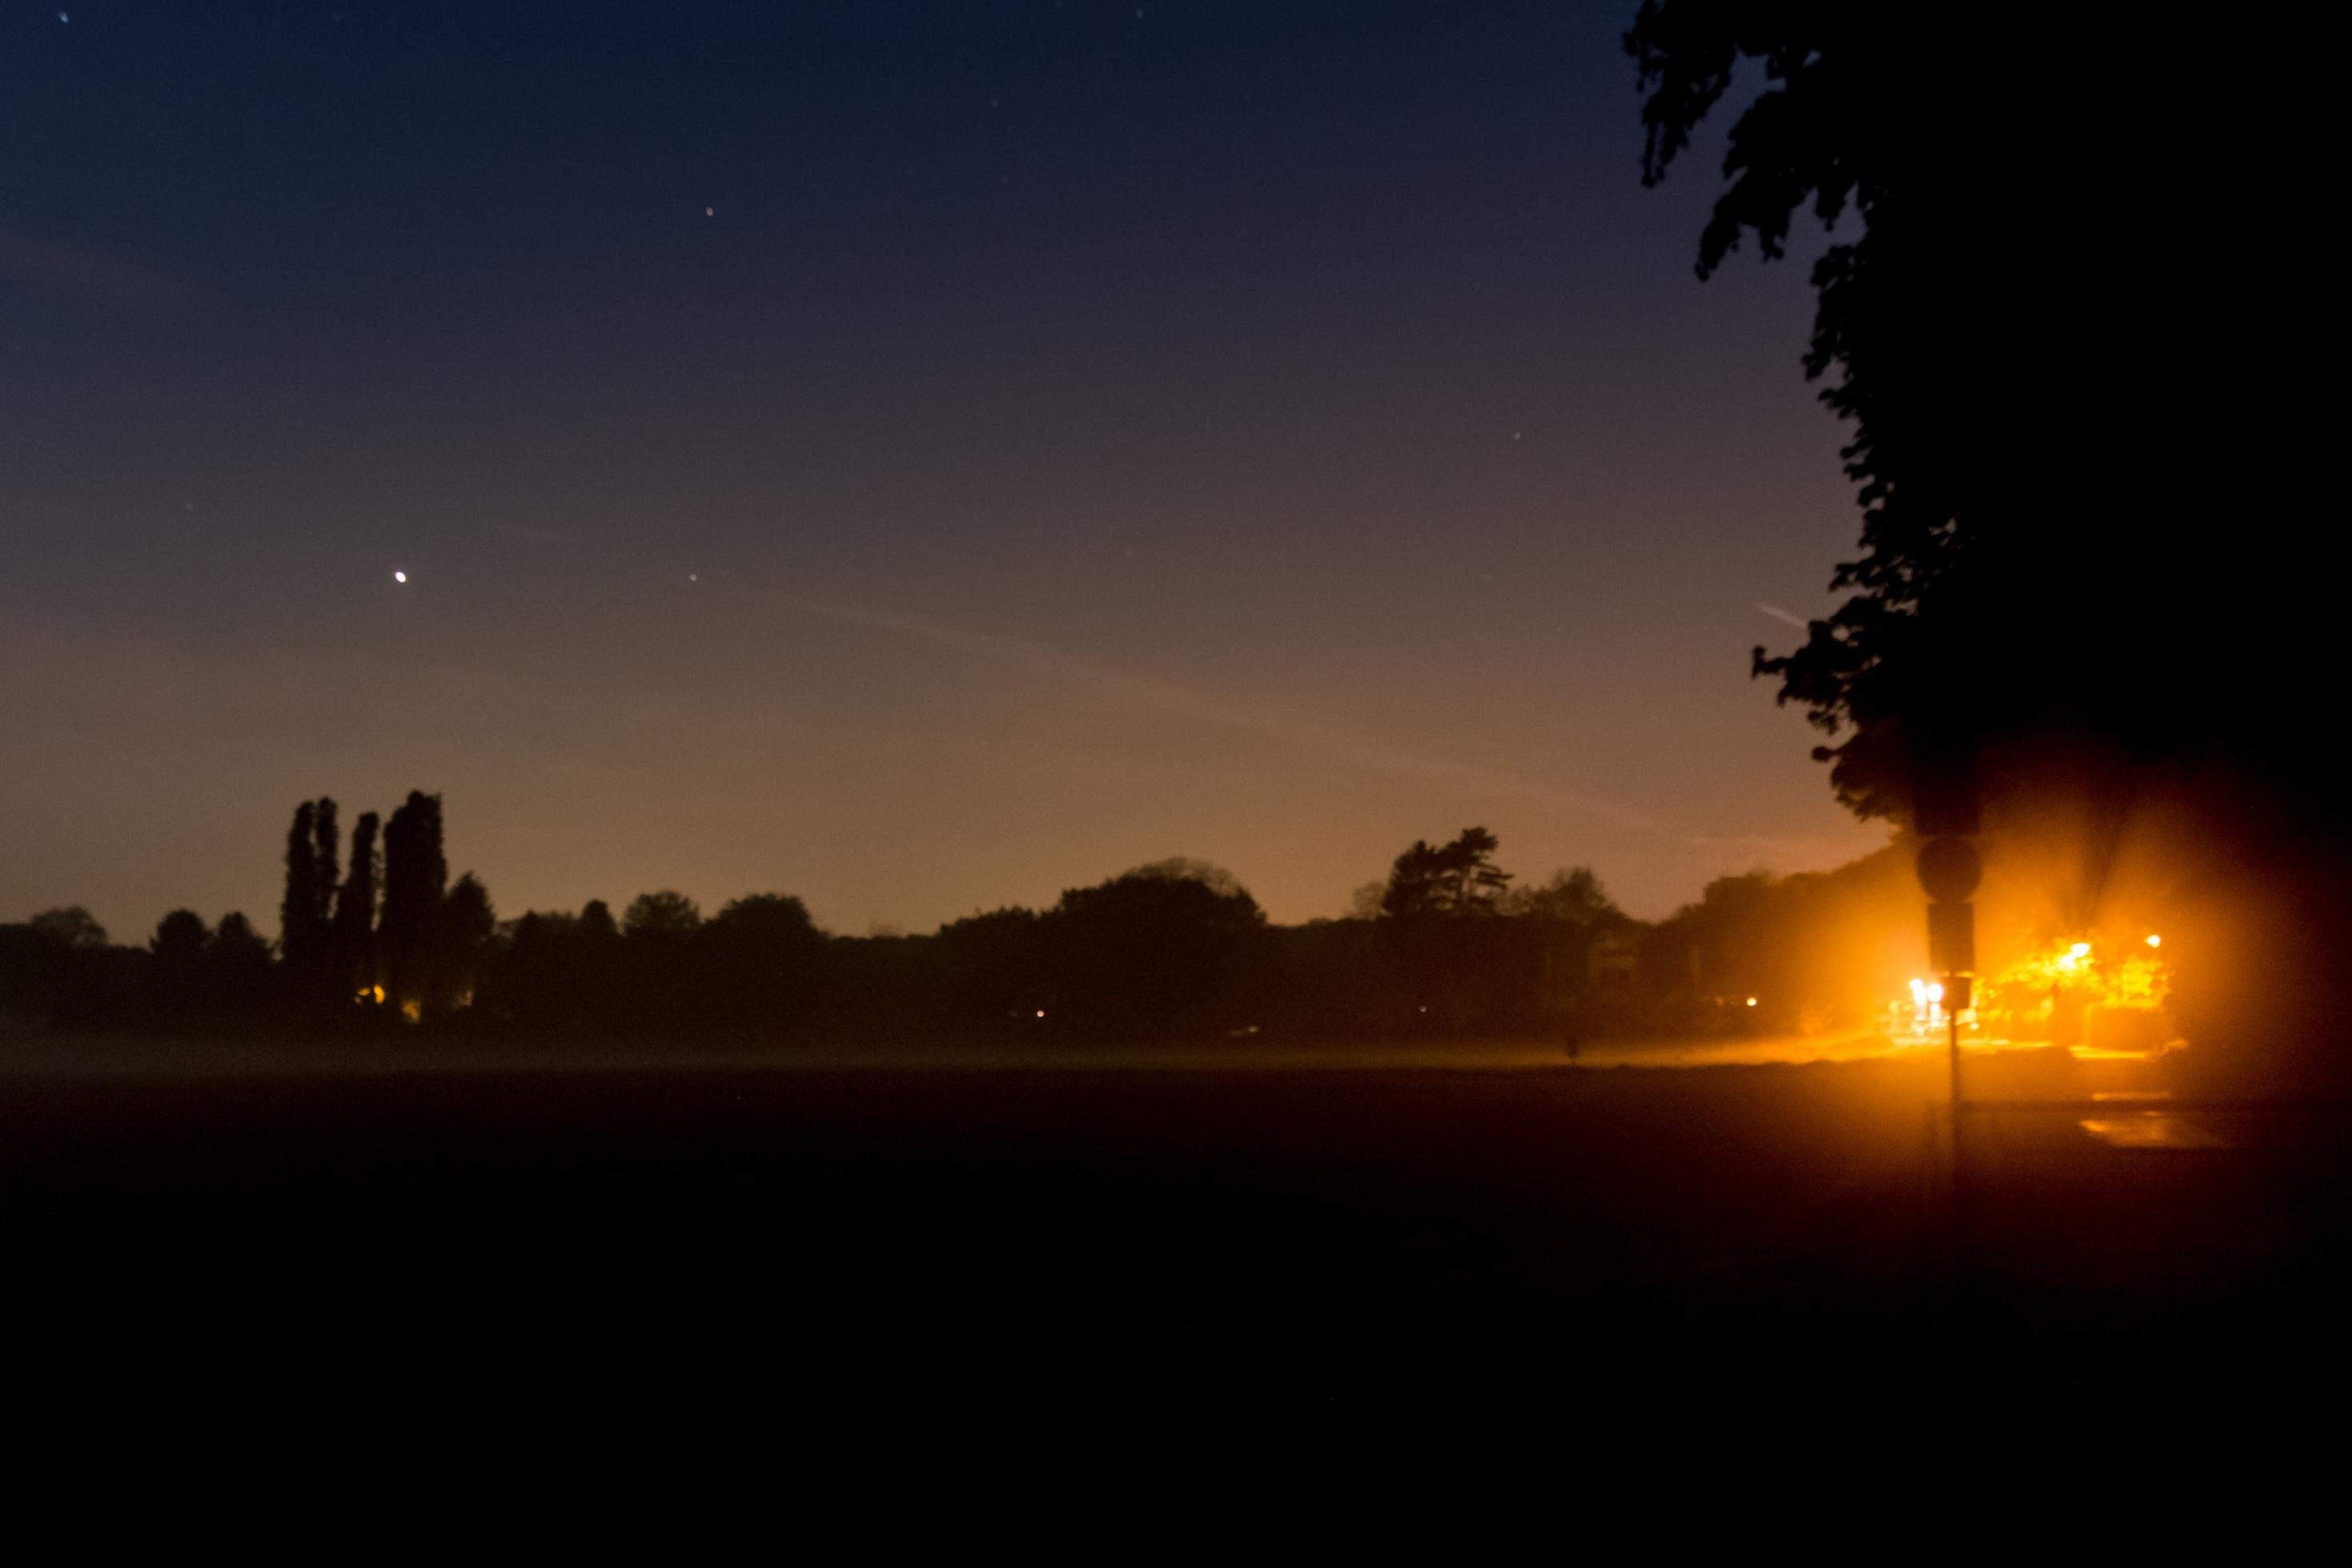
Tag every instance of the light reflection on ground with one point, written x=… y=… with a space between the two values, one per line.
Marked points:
x=2152 y=1130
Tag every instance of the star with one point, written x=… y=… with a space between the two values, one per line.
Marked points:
x=400 y=576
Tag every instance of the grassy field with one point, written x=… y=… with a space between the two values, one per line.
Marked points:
x=1326 y=1240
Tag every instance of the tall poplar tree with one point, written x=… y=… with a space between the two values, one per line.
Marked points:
x=299 y=935
x=416 y=878
x=326 y=843
x=354 y=927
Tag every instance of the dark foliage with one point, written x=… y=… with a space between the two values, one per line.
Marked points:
x=415 y=877
x=1170 y=952
x=2051 y=346
x=354 y=927
x=2066 y=321
x=324 y=843
x=1434 y=881
x=458 y=938
x=71 y=927
x=301 y=934
x=312 y=966
x=1152 y=954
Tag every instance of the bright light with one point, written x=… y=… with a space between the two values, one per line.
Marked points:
x=1751 y=1002
x=400 y=576
x=1935 y=992
x=2026 y=996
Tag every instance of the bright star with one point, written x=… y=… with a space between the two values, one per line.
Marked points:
x=400 y=576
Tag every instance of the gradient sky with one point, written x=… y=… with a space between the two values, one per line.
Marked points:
x=917 y=457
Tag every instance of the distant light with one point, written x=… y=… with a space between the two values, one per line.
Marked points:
x=400 y=576
x=1751 y=1002
x=2079 y=950
x=1041 y=1012
x=1935 y=992
x=2154 y=941
x=710 y=212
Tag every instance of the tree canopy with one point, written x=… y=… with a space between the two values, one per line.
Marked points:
x=1455 y=878
x=70 y=926
x=2051 y=353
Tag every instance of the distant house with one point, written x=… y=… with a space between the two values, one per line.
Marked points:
x=1612 y=960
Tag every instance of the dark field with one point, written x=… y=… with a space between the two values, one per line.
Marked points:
x=1307 y=1240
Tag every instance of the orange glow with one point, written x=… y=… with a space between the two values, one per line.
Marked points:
x=2028 y=998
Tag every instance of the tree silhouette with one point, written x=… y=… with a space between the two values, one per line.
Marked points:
x=238 y=961
x=765 y=920
x=306 y=915
x=180 y=938
x=355 y=925
x=415 y=877
x=763 y=962
x=236 y=938
x=596 y=922
x=461 y=928
x=1152 y=953
x=1573 y=897
x=2041 y=365
x=659 y=989
x=2075 y=441
x=176 y=968
x=1455 y=878
x=301 y=936
x=993 y=975
x=68 y=927
x=326 y=843
x=661 y=917
x=557 y=972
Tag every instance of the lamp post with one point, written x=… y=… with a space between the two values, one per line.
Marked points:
x=1950 y=871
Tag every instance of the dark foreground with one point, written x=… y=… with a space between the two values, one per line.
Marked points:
x=1306 y=1243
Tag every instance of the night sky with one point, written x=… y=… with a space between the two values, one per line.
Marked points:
x=917 y=457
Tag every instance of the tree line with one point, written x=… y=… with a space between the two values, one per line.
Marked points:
x=374 y=937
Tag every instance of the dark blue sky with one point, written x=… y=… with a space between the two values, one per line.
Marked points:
x=919 y=457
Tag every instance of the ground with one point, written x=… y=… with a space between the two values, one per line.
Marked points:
x=1141 y=1231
